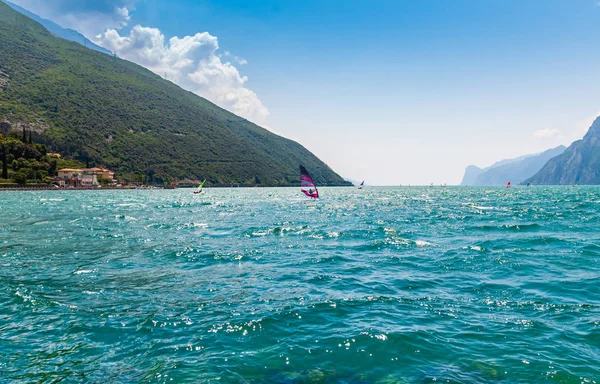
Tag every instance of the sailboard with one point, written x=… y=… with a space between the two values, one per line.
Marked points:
x=199 y=189
x=307 y=186
x=362 y=184
x=508 y=185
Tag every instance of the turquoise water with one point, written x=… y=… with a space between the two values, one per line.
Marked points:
x=384 y=285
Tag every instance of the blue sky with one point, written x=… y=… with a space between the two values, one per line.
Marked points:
x=393 y=92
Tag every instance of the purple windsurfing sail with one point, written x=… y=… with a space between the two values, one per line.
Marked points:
x=307 y=186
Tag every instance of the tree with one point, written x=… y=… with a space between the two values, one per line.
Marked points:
x=24 y=139
x=29 y=141
x=42 y=148
x=20 y=177
x=13 y=134
x=40 y=175
x=52 y=168
x=4 y=162
x=4 y=127
x=22 y=163
x=150 y=176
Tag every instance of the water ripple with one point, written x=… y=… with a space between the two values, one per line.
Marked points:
x=383 y=285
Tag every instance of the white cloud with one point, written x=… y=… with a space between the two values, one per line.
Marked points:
x=123 y=12
x=191 y=62
x=240 y=60
x=548 y=133
x=567 y=135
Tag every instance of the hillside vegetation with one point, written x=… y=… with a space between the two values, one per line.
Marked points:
x=88 y=105
x=22 y=160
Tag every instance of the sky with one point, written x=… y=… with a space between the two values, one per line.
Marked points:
x=390 y=92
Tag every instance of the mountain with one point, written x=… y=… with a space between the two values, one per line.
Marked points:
x=471 y=174
x=88 y=105
x=353 y=182
x=579 y=164
x=57 y=30
x=514 y=170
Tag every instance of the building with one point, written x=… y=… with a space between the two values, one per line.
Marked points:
x=68 y=173
x=76 y=178
x=53 y=154
x=84 y=177
x=104 y=175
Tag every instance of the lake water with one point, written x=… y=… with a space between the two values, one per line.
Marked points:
x=383 y=285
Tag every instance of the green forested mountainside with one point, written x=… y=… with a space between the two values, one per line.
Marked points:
x=85 y=104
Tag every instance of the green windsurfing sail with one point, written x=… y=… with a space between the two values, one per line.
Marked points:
x=199 y=189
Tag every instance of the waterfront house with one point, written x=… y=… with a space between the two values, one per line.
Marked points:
x=103 y=175
x=84 y=177
x=76 y=178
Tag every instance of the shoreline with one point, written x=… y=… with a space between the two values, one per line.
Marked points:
x=46 y=188
x=132 y=188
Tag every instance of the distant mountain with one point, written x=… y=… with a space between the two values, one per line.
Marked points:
x=117 y=114
x=579 y=164
x=509 y=161
x=354 y=182
x=57 y=30
x=472 y=172
x=514 y=170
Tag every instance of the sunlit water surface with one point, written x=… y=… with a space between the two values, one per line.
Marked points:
x=383 y=285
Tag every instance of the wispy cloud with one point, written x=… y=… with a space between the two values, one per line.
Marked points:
x=582 y=126
x=240 y=60
x=193 y=62
x=548 y=133
x=568 y=134
x=237 y=59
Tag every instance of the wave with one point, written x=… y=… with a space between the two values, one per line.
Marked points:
x=512 y=227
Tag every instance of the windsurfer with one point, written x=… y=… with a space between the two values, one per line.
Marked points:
x=307 y=186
